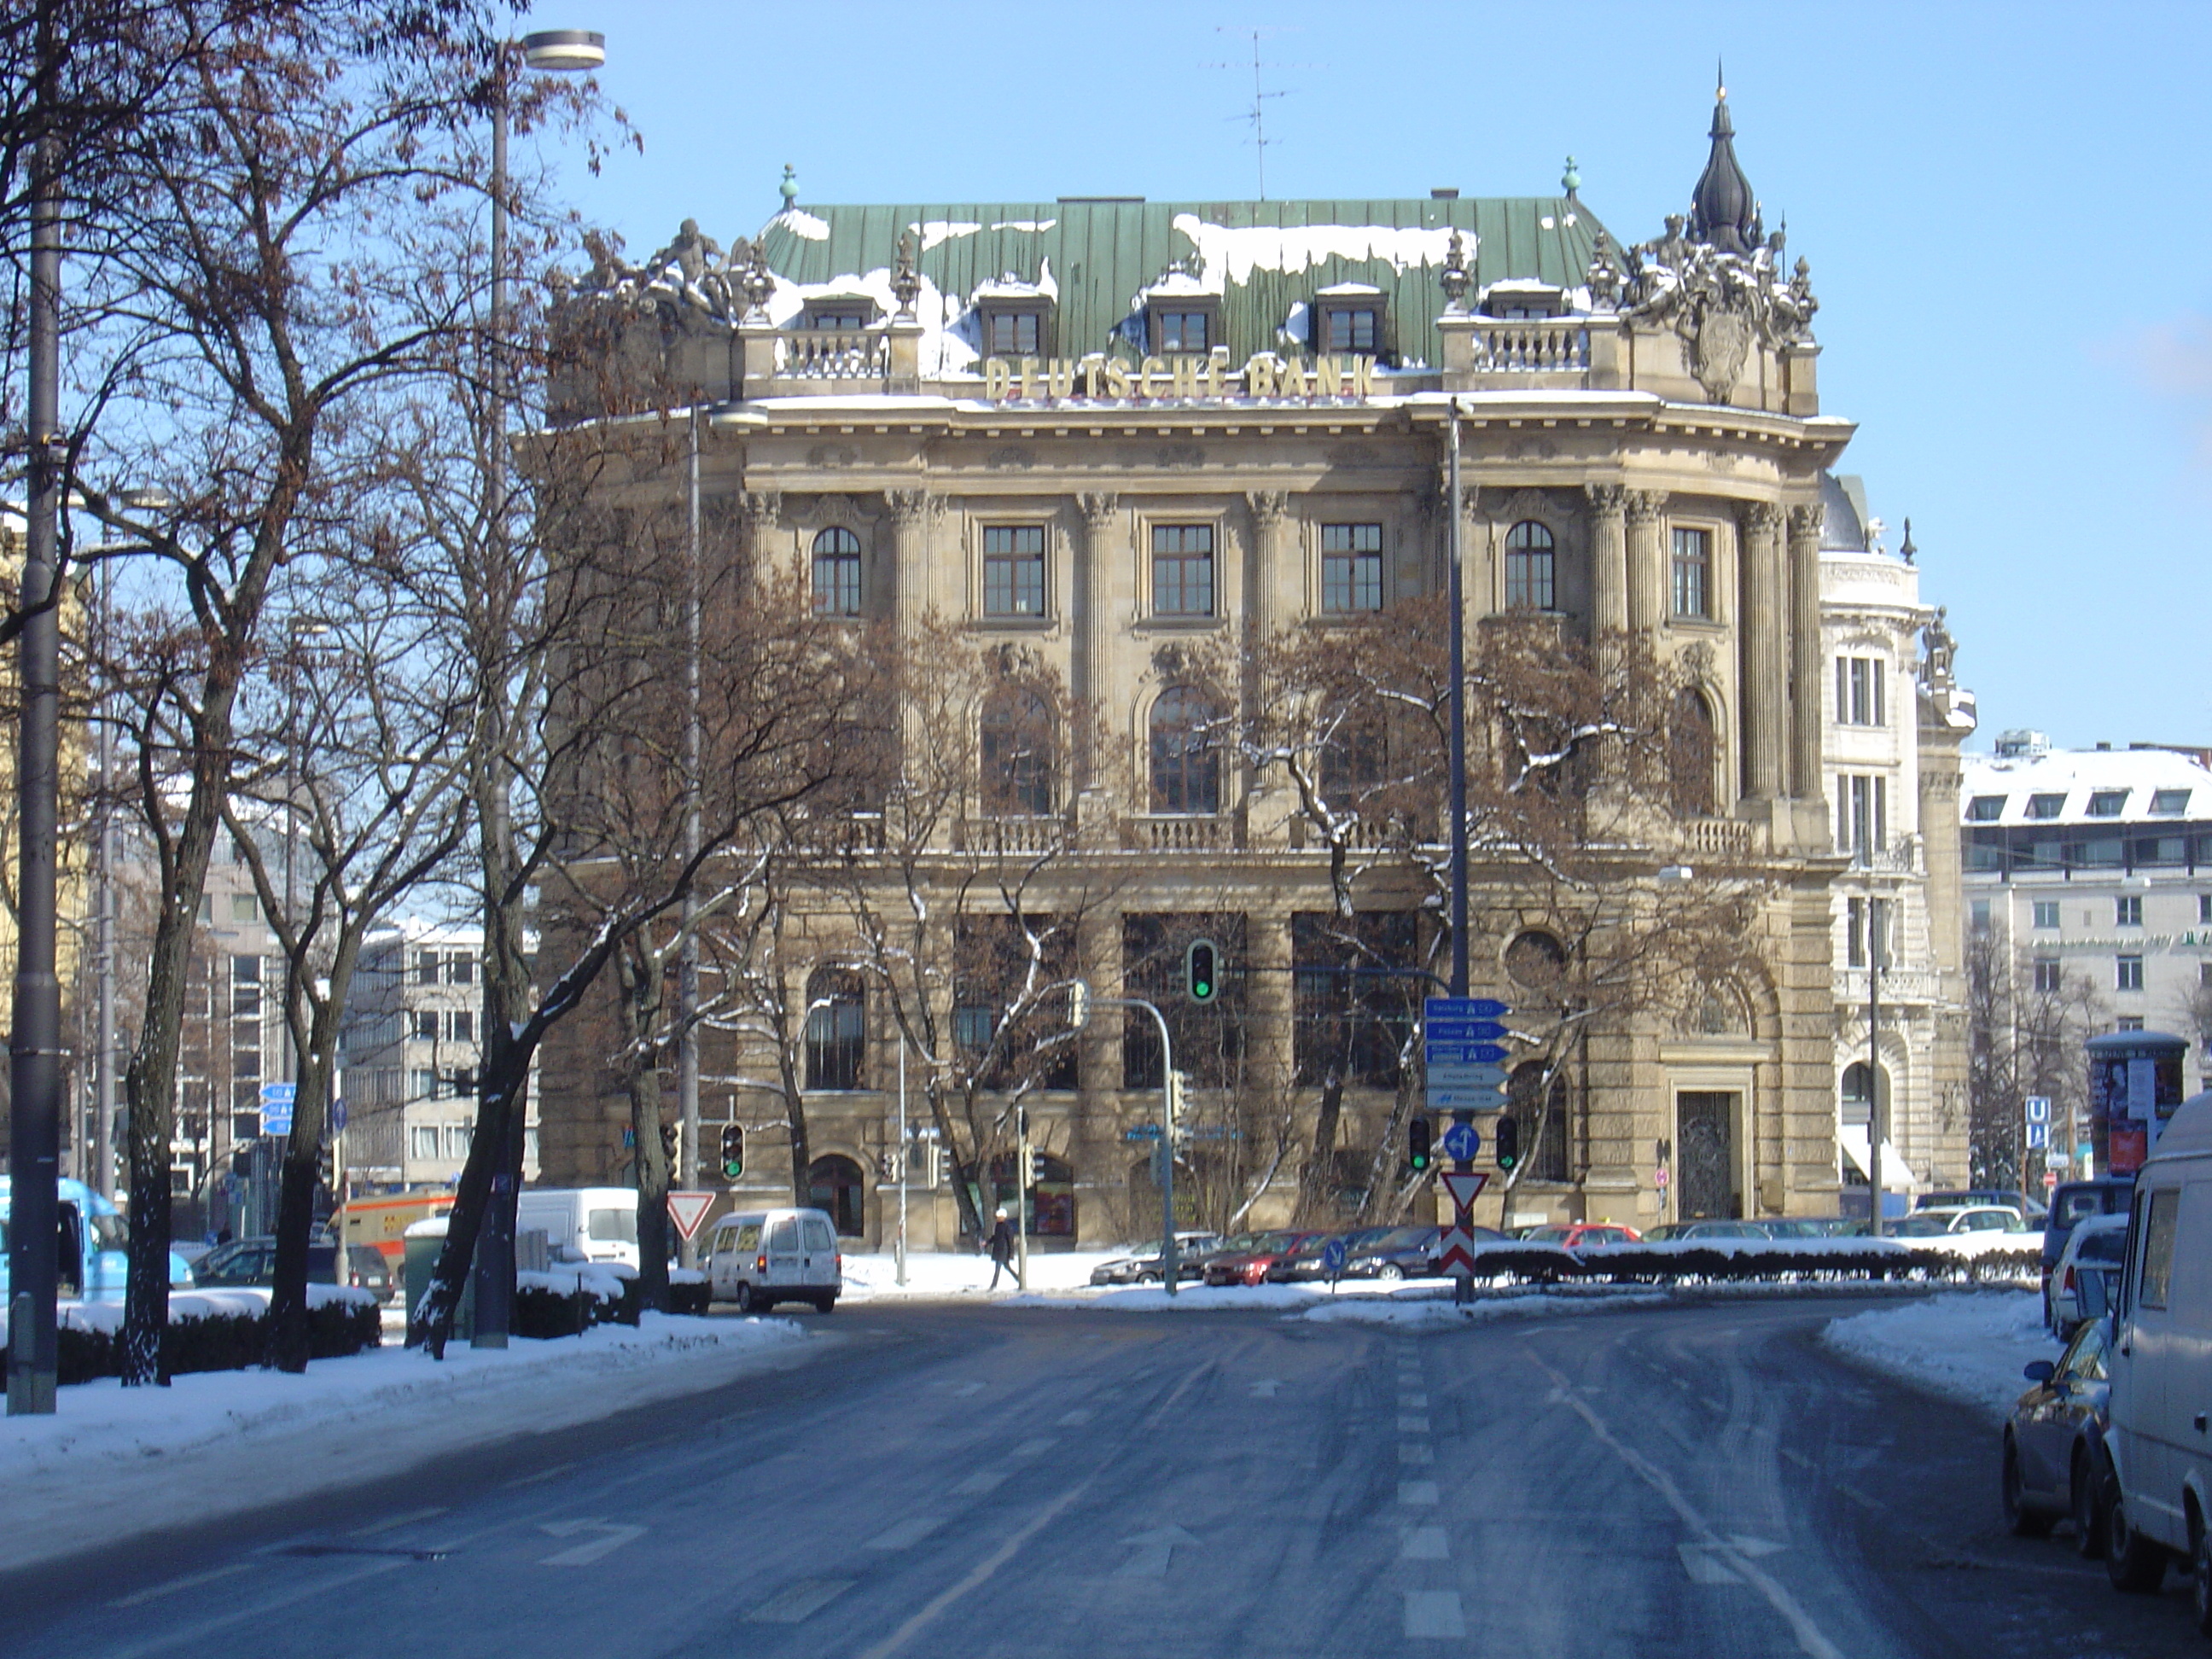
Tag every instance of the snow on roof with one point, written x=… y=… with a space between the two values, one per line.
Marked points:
x=2140 y=777
x=1335 y=288
x=799 y=222
x=1233 y=252
x=1032 y=226
x=935 y=231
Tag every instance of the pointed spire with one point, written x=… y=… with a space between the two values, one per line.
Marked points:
x=1724 y=212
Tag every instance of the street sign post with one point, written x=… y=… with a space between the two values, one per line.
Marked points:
x=1331 y=1262
x=2038 y=1136
x=2039 y=1109
x=1461 y=1143
x=687 y=1210
x=1464 y=1187
x=276 y=1100
x=1463 y=1040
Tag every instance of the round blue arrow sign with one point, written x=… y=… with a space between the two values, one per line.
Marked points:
x=1462 y=1142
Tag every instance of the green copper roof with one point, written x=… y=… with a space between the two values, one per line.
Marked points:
x=1262 y=257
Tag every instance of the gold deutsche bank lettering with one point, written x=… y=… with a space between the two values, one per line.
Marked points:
x=1098 y=377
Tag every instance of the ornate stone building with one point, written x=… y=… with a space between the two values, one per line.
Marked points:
x=1114 y=433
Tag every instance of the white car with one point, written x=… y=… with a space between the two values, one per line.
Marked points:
x=2093 y=1251
x=757 y=1258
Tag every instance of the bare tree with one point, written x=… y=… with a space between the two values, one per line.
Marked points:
x=2026 y=1023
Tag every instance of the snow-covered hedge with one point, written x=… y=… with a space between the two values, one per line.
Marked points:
x=207 y=1334
x=1666 y=1261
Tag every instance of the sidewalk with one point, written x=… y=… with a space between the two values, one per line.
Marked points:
x=115 y=1461
x=1967 y=1345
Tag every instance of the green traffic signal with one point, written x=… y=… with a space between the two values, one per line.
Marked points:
x=1417 y=1143
x=1200 y=969
x=733 y=1150
x=1508 y=1143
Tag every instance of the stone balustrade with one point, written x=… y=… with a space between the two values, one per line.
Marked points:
x=1531 y=347
x=1170 y=833
x=833 y=353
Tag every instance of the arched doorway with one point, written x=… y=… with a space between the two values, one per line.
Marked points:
x=1858 y=1104
x=837 y=1185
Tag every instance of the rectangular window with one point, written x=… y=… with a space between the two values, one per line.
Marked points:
x=2107 y=803
x=457 y=1139
x=1859 y=693
x=2158 y=1246
x=461 y=1025
x=1978 y=916
x=972 y=1028
x=2047 y=973
x=1014 y=333
x=426 y=1025
x=245 y=988
x=1182 y=570
x=243 y=908
x=1351 y=568
x=2204 y=973
x=423 y=1141
x=1352 y=330
x=460 y=969
x=2169 y=802
x=2127 y=910
x=1694 y=571
x=1855 y=933
x=2045 y=806
x=2128 y=976
x=1013 y=570
x=426 y=968
x=2046 y=913
x=246 y=1063
x=1181 y=331
x=1986 y=809
x=2204 y=907
x=1862 y=813
x=2128 y=1023
x=425 y=1086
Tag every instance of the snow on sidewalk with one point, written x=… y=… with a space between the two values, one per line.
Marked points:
x=937 y=1273
x=1968 y=1345
x=220 y=1443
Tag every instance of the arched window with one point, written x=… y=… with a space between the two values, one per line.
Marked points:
x=1543 y=1122
x=835 y=1183
x=836 y=1028
x=1859 y=1106
x=1535 y=960
x=837 y=573
x=1528 y=567
x=1018 y=754
x=1186 y=752
x=1690 y=755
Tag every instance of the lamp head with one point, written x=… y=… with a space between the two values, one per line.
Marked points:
x=564 y=49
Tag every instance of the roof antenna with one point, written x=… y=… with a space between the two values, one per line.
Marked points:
x=1256 y=118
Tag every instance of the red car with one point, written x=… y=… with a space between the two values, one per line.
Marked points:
x=1247 y=1259
x=1575 y=1235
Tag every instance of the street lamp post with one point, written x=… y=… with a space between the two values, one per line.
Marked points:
x=546 y=50
x=34 y=1068
x=1081 y=1002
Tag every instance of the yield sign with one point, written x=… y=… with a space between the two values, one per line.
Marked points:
x=1463 y=1188
x=687 y=1210
x=1457 y=1255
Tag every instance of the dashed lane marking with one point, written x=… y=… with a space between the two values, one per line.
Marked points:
x=1417 y=1494
x=1422 y=1544
x=1412 y=1424
x=1077 y=1417
x=392 y=1523
x=1434 y=1613
x=799 y=1601
x=984 y=1481
x=1413 y=1403
x=542 y=1474
x=907 y=1534
x=189 y=1581
x=1036 y=1447
x=1412 y=1451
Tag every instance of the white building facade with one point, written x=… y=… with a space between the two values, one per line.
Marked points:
x=1894 y=723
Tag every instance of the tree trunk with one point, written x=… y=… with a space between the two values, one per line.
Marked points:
x=794 y=1114
x=640 y=990
x=1321 y=1158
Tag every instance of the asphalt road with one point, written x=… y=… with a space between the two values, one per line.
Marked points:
x=1005 y=1483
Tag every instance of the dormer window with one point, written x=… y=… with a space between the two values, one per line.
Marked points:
x=1183 y=326
x=1348 y=321
x=846 y=311
x=1520 y=297
x=1015 y=328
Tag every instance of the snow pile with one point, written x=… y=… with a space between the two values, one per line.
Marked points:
x=251 y=1300
x=220 y=1443
x=1969 y=1346
x=1434 y=1311
x=957 y=1273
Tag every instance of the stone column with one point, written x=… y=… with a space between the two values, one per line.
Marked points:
x=1270 y=519
x=1806 y=782
x=1762 y=641
x=757 y=512
x=1092 y=593
x=911 y=510
x=1608 y=543
x=1647 y=561
x=1267 y=1004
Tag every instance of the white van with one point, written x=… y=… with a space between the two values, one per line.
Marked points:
x=757 y=1258
x=581 y=1224
x=2159 y=1497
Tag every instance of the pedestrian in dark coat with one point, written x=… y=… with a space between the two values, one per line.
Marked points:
x=1002 y=1249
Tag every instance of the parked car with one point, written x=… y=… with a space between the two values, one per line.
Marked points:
x=1673 y=1231
x=1249 y=1264
x=1303 y=1264
x=581 y=1224
x=1582 y=1235
x=2054 y=1443
x=252 y=1261
x=2081 y=1285
x=757 y=1258
x=1818 y=1226
x=2157 y=1495
x=1191 y=1250
x=1978 y=1197
x=2071 y=1203
x=91 y=1257
x=1980 y=1222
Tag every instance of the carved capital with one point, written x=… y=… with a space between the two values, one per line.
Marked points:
x=1806 y=522
x=1762 y=518
x=1607 y=500
x=1269 y=506
x=1100 y=510
x=760 y=508
x=1646 y=507
x=911 y=507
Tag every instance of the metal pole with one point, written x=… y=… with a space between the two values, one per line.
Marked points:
x=1170 y=1266
x=1458 y=722
x=899 y=1255
x=103 y=1130
x=34 y=1117
x=687 y=968
x=1021 y=1196
x=495 y=1256
x=1876 y=1128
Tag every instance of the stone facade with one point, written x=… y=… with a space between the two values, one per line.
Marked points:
x=1280 y=391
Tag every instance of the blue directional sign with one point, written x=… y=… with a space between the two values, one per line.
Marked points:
x=338 y=1118
x=1461 y=1143
x=276 y=1107
x=1332 y=1257
x=1142 y=1132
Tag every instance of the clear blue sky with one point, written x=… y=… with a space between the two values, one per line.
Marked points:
x=2005 y=206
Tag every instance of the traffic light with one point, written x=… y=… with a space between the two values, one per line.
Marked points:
x=1078 y=1004
x=1507 y=1138
x=1200 y=969
x=668 y=1141
x=1028 y=1168
x=733 y=1150
x=1417 y=1143
x=1178 y=1094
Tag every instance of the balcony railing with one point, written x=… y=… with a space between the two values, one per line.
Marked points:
x=833 y=353
x=1531 y=347
x=1166 y=833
